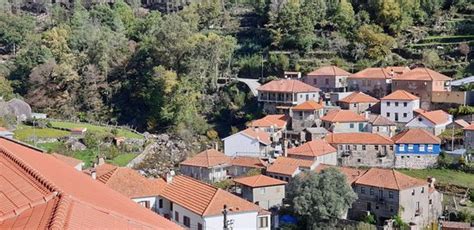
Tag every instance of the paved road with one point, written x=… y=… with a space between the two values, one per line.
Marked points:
x=253 y=84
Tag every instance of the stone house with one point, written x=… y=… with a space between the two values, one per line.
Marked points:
x=314 y=133
x=381 y=125
x=416 y=148
x=242 y=165
x=362 y=149
x=344 y=121
x=399 y=106
x=433 y=121
x=375 y=81
x=357 y=102
x=317 y=150
x=422 y=82
x=469 y=137
x=248 y=142
x=385 y=193
x=264 y=191
x=285 y=168
x=305 y=115
x=280 y=95
x=458 y=124
x=328 y=79
x=274 y=124
x=209 y=166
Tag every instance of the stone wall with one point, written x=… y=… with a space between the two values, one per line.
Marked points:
x=416 y=161
x=356 y=156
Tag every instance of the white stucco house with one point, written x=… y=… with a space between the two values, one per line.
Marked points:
x=197 y=205
x=209 y=166
x=316 y=150
x=248 y=142
x=344 y=121
x=433 y=121
x=399 y=106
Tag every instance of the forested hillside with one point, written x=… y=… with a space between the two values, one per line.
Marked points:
x=124 y=64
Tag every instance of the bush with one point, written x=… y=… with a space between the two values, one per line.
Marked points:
x=212 y=134
x=471 y=195
x=369 y=219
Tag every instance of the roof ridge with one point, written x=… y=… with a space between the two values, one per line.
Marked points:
x=395 y=177
x=429 y=74
x=60 y=213
x=23 y=208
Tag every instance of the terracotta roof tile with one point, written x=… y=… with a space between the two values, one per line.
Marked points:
x=379 y=120
x=259 y=135
x=359 y=97
x=352 y=174
x=358 y=138
x=3 y=129
x=39 y=190
x=416 y=136
x=312 y=148
x=68 y=160
x=437 y=117
x=401 y=95
x=470 y=127
x=129 y=182
x=275 y=120
x=288 y=166
x=259 y=181
x=422 y=74
x=380 y=72
x=329 y=71
x=208 y=158
x=205 y=199
x=308 y=105
x=455 y=225
x=287 y=86
x=250 y=162
x=389 y=179
x=461 y=123
x=342 y=116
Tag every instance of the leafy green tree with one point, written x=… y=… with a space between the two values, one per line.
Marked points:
x=344 y=16
x=320 y=197
x=6 y=91
x=378 y=43
x=14 y=29
x=431 y=58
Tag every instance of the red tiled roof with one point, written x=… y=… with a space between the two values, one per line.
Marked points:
x=359 y=97
x=352 y=174
x=470 y=127
x=205 y=199
x=422 y=74
x=451 y=225
x=308 y=105
x=461 y=123
x=358 y=138
x=259 y=181
x=3 y=129
x=39 y=191
x=401 y=95
x=389 y=179
x=419 y=111
x=287 y=86
x=329 y=71
x=342 y=116
x=437 y=117
x=261 y=136
x=415 y=136
x=312 y=148
x=68 y=160
x=379 y=120
x=129 y=182
x=250 y=162
x=288 y=166
x=380 y=72
x=276 y=120
x=208 y=158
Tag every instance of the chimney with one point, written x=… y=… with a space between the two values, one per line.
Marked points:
x=101 y=161
x=366 y=114
x=169 y=176
x=216 y=146
x=93 y=174
x=285 y=148
x=431 y=181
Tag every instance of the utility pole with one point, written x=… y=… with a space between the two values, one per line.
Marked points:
x=224 y=212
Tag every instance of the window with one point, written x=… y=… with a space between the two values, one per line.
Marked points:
x=396 y=104
x=355 y=147
x=431 y=201
x=351 y=125
x=405 y=115
x=160 y=203
x=362 y=190
x=371 y=191
x=422 y=189
x=355 y=105
x=410 y=147
x=358 y=160
x=422 y=148
x=199 y=226
x=369 y=206
x=145 y=204
x=390 y=194
x=413 y=192
x=391 y=147
x=326 y=81
x=263 y=222
x=388 y=114
x=388 y=103
x=340 y=80
x=430 y=148
x=376 y=147
x=401 y=147
x=262 y=190
x=363 y=147
x=176 y=216
x=391 y=208
x=405 y=104
x=186 y=221
x=315 y=81
x=171 y=206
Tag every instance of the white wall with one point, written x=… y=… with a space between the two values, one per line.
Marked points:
x=152 y=200
x=301 y=97
x=345 y=127
x=241 y=145
x=400 y=109
x=329 y=159
x=421 y=122
x=242 y=221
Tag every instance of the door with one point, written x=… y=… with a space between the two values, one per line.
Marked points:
x=396 y=116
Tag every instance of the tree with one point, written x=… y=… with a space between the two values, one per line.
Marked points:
x=378 y=44
x=6 y=91
x=321 y=197
x=344 y=17
x=431 y=58
x=464 y=49
x=389 y=15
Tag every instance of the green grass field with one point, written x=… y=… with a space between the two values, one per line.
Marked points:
x=94 y=128
x=123 y=159
x=24 y=132
x=443 y=176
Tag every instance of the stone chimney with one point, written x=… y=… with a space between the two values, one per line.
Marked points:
x=431 y=181
x=100 y=161
x=216 y=146
x=285 y=148
x=169 y=176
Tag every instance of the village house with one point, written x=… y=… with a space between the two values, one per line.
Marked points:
x=328 y=79
x=381 y=125
x=458 y=124
x=317 y=150
x=129 y=183
x=422 y=82
x=274 y=124
x=469 y=137
x=4 y=132
x=352 y=174
x=73 y=162
x=357 y=102
x=41 y=192
x=209 y=166
x=362 y=149
x=78 y=131
x=280 y=95
x=416 y=148
x=385 y=193
x=197 y=205
x=433 y=121
x=375 y=81
x=305 y=115
x=242 y=165
x=248 y=142
x=285 y=168
x=399 y=106
x=264 y=191
x=344 y=121
x=314 y=133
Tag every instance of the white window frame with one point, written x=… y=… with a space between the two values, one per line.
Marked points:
x=430 y=148
x=401 y=147
x=422 y=148
x=410 y=147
